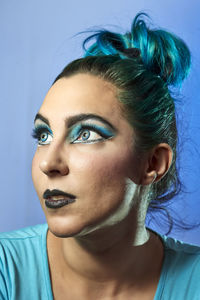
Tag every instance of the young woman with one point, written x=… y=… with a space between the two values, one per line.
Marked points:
x=106 y=153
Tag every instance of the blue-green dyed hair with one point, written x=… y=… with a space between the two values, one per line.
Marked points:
x=142 y=81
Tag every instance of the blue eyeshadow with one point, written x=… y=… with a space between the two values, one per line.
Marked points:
x=43 y=126
x=77 y=129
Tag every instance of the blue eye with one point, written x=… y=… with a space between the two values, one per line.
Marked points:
x=43 y=135
x=89 y=133
x=85 y=134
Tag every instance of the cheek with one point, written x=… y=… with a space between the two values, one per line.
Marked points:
x=102 y=169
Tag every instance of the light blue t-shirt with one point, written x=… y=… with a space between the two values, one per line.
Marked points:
x=24 y=270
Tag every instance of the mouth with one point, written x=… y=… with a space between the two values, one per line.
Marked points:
x=56 y=198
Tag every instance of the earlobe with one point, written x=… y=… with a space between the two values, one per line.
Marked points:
x=149 y=178
x=158 y=163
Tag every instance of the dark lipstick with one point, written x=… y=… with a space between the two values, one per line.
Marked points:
x=52 y=203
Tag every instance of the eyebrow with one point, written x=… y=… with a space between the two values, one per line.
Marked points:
x=40 y=117
x=70 y=121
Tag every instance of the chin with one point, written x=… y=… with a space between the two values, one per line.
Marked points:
x=63 y=228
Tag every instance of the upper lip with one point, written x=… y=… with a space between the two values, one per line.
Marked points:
x=48 y=193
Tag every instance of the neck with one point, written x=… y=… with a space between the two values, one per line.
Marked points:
x=108 y=254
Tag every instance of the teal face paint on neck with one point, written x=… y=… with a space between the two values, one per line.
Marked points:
x=130 y=199
x=121 y=213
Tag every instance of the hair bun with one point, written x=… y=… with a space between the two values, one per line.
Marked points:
x=162 y=52
x=131 y=52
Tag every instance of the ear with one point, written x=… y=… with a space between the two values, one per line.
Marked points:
x=157 y=164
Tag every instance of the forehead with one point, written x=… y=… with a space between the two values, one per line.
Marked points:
x=81 y=93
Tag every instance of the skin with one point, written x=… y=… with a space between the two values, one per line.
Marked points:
x=98 y=245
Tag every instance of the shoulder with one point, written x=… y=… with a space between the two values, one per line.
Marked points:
x=20 y=244
x=175 y=245
x=23 y=258
x=181 y=257
x=180 y=277
x=14 y=244
x=24 y=233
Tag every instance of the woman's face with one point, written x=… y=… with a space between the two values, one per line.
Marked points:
x=85 y=149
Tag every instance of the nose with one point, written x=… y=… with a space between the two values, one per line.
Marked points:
x=54 y=162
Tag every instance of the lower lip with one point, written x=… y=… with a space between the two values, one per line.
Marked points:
x=58 y=203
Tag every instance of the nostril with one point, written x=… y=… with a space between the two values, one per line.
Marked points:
x=60 y=171
x=53 y=173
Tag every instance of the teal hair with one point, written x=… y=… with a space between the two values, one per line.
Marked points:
x=162 y=52
x=142 y=83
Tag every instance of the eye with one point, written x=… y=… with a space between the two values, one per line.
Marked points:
x=89 y=133
x=42 y=135
x=85 y=134
x=44 y=138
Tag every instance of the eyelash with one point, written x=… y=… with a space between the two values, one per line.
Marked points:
x=74 y=134
x=37 y=131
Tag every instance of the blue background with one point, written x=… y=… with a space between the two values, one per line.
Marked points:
x=36 y=43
